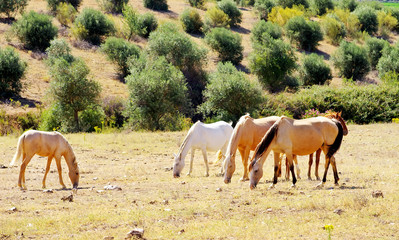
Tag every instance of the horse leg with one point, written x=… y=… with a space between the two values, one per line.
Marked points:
x=318 y=153
x=47 y=169
x=290 y=158
x=298 y=171
x=191 y=162
x=321 y=184
x=287 y=169
x=206 y=162
x=277 y=161
x=21 y=179
x=279 y=165
x=244 y=157
x=310 y=166
x=334 y=166
x=58 y=162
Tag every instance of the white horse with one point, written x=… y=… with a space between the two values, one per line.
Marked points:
x=212 y=137
x=50 y=144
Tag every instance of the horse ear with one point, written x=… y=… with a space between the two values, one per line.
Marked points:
x=339 y=114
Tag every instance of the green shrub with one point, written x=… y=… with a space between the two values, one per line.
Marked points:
x=119 y=51
x=95 y=25
x=150 y=79
x=200 y=4
x=229 y=94
x=272 y=61
x=226 y=43
x=359 y=104
x=72 y=92
x=351 y=5
x=53 y=4
x=215 y=17
x=374 y=47
x=351 y=61
x=11 y=7
x=35 y=30
x=386 y=23
x=156 y=4
x=230 y=8
x=333 y=29
x=191 y=21
x=263 y=27
x=368 y=19
x=306 y=34
x=314 y=70
x=130 y=19
x=12 y=69
x=177 y=47
x=148 y=23
x=263 y=7
x=395 y=13
x=112 y=6
x=114 y=108
x=350 y=20
x=59 y=48
x=66 y=14
x=321 y=6
x=281 y=15
x=389 y=61
x=290 y=3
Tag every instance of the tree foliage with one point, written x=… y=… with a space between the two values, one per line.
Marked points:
x=226 y=43
x=12 y=69
x=306 y=34
x=11 y=7
x=314 y=70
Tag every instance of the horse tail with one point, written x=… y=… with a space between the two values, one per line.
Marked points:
x=18 y=153
x=219 y=156
x=338 y=140
x=265 y=143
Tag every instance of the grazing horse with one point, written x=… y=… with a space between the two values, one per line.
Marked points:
x=212 y=137
x=298 y=137
x=246 y=136
x=50 y=144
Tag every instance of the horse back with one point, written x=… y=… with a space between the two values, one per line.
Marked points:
x=255 y=130
x=44 y=143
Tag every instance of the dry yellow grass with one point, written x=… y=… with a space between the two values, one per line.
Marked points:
x=164 y=206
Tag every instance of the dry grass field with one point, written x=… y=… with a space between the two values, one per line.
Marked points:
x=199 y=207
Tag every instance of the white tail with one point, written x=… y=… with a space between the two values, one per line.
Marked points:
x=18 y=153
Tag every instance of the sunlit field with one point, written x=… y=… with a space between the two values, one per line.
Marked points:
x=199 y=207
x=391 y=4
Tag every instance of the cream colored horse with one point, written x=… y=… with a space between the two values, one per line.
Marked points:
x=50 y=144
x=298 y=137
x=246 y=136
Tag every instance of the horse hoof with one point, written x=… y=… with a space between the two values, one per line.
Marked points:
x=188 y=174
x=319 y=186
x=207 y=175
x=293 y=186
x=310 y=179
x=243 y=179
x=271 y=186
x=64 y=187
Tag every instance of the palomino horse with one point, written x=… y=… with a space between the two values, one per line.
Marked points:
x=298 y=137
x=203 y=136
x=246 y=136
x=50 y=144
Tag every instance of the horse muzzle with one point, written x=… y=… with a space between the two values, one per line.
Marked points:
x=176 y=175
x=252 y=186
x=227 y=180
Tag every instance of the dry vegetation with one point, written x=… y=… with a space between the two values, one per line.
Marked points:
x=194 y=206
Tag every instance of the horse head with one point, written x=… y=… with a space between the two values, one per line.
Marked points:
x=74 y=174
x=255 y=172
x=178 y=165
x=229 y=167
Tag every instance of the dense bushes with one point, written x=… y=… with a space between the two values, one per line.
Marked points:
x=230 y=8
x=368 y=19
x=290 y=3
x=176 y=46
x=263 y=27
x=191 y=21
x=321 y=6
x=389 y=61
x=148 y=23
x=314 y=70
x=351 y=61
x=273 y=61
x=281 y=15
x=91 y=25
x=59 y=48
x=156 y=4
x=53 y=4
x=158 y=94
x=12 y=69
x=306 y=34
x=35 y=30
x=66 y=14
x=136 y=24
x=12 y=7
x=226 y=43
x=229 y=94
x=113 y=6
x=263 y=7
x=214 y=17
x=348 y=4
x=374 y=47
x=359 y=104
x=386 y=23
x=119 y=51
x=333 y=29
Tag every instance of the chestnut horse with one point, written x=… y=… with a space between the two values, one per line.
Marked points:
x=246 y=136
x=50 y=144
x=298 y=137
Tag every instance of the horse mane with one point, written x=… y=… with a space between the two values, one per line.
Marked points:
x=70 y=150
x=184 y=143
x=236 y=132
